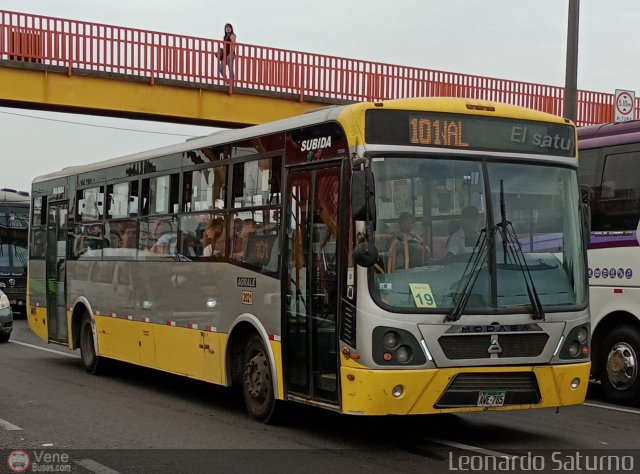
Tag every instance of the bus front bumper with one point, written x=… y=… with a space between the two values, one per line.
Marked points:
x=459 y=390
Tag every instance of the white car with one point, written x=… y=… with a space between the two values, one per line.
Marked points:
x=6 y=318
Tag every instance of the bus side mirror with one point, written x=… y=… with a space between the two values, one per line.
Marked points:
x=365 y=254
x=363 y=206
x=585 y=217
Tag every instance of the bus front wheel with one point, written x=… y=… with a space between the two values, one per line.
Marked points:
x=90 y=360
x=257 y=381
x=620 y=365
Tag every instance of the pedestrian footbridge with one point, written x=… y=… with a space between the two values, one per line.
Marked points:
x=73 y=66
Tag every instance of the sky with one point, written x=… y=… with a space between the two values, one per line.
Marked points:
x=522 y=40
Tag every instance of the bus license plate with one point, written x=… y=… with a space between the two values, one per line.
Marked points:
x=491 y=399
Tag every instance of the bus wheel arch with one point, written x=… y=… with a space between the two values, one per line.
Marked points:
x=616 y=357
x=251 y=367
x=237 y=341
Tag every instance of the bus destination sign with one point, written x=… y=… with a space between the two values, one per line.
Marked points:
x=471 y=132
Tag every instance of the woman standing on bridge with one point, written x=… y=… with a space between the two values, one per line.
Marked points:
x=227 y=54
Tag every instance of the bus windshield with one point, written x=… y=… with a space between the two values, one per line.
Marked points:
x=476 y=236
x=13 y=240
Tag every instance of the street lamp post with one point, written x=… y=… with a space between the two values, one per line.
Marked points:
x=571 y=78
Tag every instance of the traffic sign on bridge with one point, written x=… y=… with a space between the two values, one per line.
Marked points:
x=624 y=105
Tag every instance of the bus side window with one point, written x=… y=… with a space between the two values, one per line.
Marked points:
x=38 y=246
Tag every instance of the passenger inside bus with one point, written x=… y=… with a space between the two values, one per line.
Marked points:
x=167 y=239
x=90 y=238
x=407 y=249
x=464 y=237
x=249 y=227
x=213 y=239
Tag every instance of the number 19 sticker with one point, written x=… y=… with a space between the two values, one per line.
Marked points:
x=422 y=295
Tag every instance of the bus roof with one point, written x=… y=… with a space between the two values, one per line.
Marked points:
x=596 y=136
x=14 y=197
x=347 y=114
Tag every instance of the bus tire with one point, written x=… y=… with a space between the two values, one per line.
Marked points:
x=257 y=381
x=620 y=365
x=5 y=337
x=92 y=363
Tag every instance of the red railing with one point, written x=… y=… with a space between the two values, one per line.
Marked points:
x=91 y=48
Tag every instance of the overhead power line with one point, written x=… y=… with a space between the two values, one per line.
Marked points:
x=98 y=126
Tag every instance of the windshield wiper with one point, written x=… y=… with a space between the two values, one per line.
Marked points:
x=471 y=271
x=511 y=248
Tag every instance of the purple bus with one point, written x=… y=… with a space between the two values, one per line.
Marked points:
x=609 y=177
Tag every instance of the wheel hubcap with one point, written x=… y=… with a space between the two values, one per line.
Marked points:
x=622 y=367
x=256 y=376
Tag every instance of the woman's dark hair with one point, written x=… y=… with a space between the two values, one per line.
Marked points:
x=230 y=26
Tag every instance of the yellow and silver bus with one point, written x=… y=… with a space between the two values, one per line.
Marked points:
x=404 y=257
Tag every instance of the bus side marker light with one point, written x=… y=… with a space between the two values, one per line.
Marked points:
x=585 y=350
x=355 y=356
x=212 y=303
x=617 y=291
x=351 y=377
x=386 y=356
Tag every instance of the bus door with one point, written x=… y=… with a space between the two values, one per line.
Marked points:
x=311 y=284
x=56 y=271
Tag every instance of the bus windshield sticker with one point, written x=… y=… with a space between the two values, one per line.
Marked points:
x=422 y=295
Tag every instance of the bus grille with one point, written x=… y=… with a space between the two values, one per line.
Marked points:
x=477 y=346
x=521 y=388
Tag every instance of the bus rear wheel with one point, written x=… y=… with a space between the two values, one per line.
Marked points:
x=92 y=363
x=620 y=365
x=257 y=381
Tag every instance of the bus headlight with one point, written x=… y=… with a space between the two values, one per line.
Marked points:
x=404 y=354
x=582 y=335
x=576 y=345
x=394 y=346
x=574 y=349
x=390 y=340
